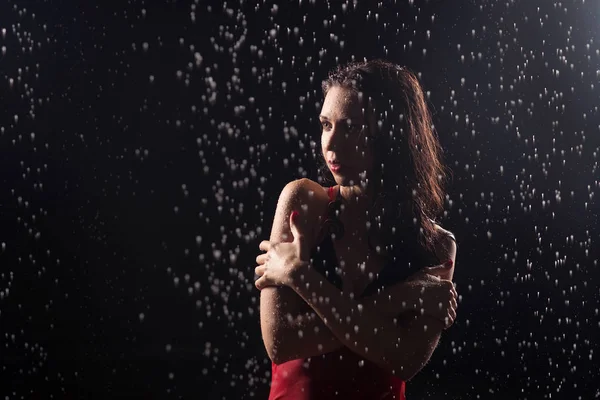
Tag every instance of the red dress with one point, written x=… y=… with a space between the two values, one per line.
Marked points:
x=340 y=374
x=335 y=375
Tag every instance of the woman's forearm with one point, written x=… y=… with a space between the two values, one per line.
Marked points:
x=304 y=336
x=392 y=301
x=290 y=328
x=370 y=335
x=294 y=331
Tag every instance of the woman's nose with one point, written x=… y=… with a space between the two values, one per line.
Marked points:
x=337 y=136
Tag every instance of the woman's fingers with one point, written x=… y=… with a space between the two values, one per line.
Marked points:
x=447 y=323
x=451 y=310
x=444 y=297
x=453 y=293
x=261 y=259
x=265 y=245
x=259 y=270
x=448 y=320
x=259 y=283
x=448 y=284
x=263 y=281
x=452 y=315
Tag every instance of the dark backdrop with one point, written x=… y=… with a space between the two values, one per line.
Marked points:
x=143 y=146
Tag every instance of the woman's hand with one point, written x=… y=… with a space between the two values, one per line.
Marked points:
x=283 y=262
x=437 y=296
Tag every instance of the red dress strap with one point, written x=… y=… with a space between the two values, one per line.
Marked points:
x=327 y=215
x=331 y=192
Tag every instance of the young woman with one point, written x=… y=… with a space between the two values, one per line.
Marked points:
x=356 y=282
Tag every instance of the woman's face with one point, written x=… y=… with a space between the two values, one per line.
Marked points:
x=342 y=121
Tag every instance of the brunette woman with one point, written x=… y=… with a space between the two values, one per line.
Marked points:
x=356 y=282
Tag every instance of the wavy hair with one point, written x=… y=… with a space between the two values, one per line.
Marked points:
x=408 y=174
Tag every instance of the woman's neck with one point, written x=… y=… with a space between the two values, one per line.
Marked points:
x=354 y=215
x=356 y=198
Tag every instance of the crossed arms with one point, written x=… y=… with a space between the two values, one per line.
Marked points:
x=393 y=332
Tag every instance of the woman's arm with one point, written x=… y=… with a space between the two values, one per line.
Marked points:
x=302 y=333
x=404 y=351
x=290 y=328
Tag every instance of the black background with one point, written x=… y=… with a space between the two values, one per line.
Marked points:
x=133 y=199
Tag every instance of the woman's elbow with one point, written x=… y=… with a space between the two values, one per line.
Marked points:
x=273 y=355
x=402 y=370
x=410 y=373
x=276 y=353
x=422 y=347
x=406 y=369
x=279 y=359
x=269 y=341
x=272 y=344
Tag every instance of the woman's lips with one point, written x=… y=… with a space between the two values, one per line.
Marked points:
x=335 y=166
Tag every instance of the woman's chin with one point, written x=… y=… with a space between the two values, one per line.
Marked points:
x=346 y=177
x=344 y=180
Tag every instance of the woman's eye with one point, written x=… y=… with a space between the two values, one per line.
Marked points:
x=350 y=128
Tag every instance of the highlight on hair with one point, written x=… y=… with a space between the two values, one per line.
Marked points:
x=408 y=174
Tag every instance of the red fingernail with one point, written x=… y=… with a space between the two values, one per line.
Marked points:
x=294 y=215
x=449 y=263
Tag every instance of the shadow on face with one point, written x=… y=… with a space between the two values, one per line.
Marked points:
x=344 y=129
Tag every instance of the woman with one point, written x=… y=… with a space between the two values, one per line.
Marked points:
x=348 y=307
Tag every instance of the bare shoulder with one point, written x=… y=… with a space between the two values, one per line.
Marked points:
x=446 y=234
x=446 y=248
x=307 y=188
x=312 y=196
x=305 y=196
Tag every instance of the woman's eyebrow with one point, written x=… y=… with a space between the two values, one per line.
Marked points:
x=341 y=119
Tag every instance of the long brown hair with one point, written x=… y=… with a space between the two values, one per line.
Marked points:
x=408 y=175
